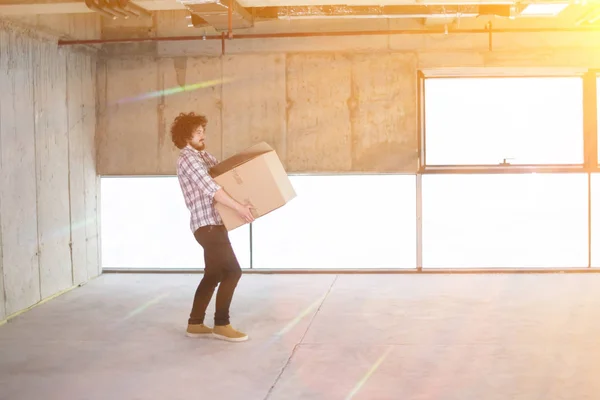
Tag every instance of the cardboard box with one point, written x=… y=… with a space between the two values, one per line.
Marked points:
x=254 y=176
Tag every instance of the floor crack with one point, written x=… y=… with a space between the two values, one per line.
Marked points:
x=301 y=339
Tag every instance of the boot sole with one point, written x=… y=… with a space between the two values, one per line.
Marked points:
x=228 y=339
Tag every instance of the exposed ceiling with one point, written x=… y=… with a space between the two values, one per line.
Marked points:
x=246 y=13
x=21 y=7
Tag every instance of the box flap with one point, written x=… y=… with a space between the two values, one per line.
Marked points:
x=240 y=158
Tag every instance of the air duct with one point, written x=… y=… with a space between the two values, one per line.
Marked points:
x=401 y=11
x=217 y=14
x=117 y=8
x=129 y=7
x=94 y=7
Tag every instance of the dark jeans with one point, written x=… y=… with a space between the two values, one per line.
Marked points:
x=221 y=265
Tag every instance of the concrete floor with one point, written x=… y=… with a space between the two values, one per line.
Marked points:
x=442 y=337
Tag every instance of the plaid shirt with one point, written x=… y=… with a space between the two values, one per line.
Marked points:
x=198 y=187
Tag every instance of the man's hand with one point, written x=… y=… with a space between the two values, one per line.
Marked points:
x=245 y=212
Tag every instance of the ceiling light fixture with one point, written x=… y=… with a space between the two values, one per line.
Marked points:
x=544 y=9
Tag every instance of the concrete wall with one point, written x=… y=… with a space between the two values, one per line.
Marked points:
x=73 y=26
x=48 y=181
x=319 y=111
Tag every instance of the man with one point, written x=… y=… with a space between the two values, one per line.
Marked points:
x=200 y=192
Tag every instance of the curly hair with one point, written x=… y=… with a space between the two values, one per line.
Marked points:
x=184 y=126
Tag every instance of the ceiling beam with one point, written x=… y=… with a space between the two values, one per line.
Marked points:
x=39 y=7
x=32 y=7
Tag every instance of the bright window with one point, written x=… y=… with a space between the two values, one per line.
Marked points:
x=368 y=221
x=596 y=220
x=477 y=121
x=145 y=224
x=513 y=221
x=343 y=221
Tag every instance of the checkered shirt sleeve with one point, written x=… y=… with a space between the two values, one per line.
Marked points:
x=198 y=187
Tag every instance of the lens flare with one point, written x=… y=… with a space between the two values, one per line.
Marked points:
x=175 y=90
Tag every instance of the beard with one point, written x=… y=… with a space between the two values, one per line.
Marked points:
x=198 y=147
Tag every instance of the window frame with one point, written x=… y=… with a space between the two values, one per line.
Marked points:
x=590 y=165
x=590 y=121
x=427 y=267
x=589 y=150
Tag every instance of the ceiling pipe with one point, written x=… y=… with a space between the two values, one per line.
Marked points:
x=326 y=34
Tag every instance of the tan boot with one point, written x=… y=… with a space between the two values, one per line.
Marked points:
x=229 y=334
x=198 y=330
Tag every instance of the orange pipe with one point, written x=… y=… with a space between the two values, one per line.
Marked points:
x=323 y=34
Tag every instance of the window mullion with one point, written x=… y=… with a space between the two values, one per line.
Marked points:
x=590 y=121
